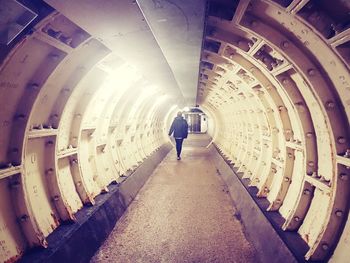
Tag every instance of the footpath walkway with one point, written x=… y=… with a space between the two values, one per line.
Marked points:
x=182 y=214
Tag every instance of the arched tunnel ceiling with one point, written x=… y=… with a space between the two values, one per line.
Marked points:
x=164 y=45
x=86 y=90
x=178 y=28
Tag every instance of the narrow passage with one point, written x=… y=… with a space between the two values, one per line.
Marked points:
x=182 y=214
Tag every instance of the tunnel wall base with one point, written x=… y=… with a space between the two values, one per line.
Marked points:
x=78 y=242
x=269 y=245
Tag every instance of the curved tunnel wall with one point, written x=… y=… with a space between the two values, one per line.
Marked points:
x=278 y=84
x=273 y=78
x=75 y=118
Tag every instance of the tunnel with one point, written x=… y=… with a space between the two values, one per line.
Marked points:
x=88 y=90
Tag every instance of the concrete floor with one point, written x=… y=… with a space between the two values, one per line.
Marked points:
x=182 y=214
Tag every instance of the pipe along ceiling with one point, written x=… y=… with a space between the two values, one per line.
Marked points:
x=86 y=91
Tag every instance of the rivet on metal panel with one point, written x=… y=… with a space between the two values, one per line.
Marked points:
x=339 y=213
x=325 y=246
x=330 y=105
x=15 y=184
x=24 y=218
x=54 y=57
x=49 y=171
x=309 y=134
x=311 y=72
x=285 y=44
x=56 y=198
x=347 y=153
x=286 y=179
x=288 y=131
x=33 y=86
x=20 y=117
x=285 y=81
x=281 y=108
x=341 y=140
x=311 y=163
x=343 y=176
x=306 y=192
x=253 y=23
x=296 y=219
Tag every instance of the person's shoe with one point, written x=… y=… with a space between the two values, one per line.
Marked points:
x=179 y=158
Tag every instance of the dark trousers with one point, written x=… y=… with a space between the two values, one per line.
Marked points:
x=179 y=146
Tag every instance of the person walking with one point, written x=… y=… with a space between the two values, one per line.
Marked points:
x=180 y=129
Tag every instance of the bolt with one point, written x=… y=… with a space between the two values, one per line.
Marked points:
x=281 y=108
x=330 y=105
x=309 y=134
x=24 y=218
x=311 y=72
x=49 y=171
x=20 y=116
x=34 y=86
x=15 y=184
x=343 y=176
x=311 y=163
x=306 y=192
x=253 y=23
x=341 y=140
x=56 y=198
x=54 y=57
x=49 y=143
x=338 y=213
x=325 y=246
x=286 y=179
x=296 y=218
x=347 y=153
x=285 y=44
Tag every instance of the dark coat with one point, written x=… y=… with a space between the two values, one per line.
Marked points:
x=179 y=127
